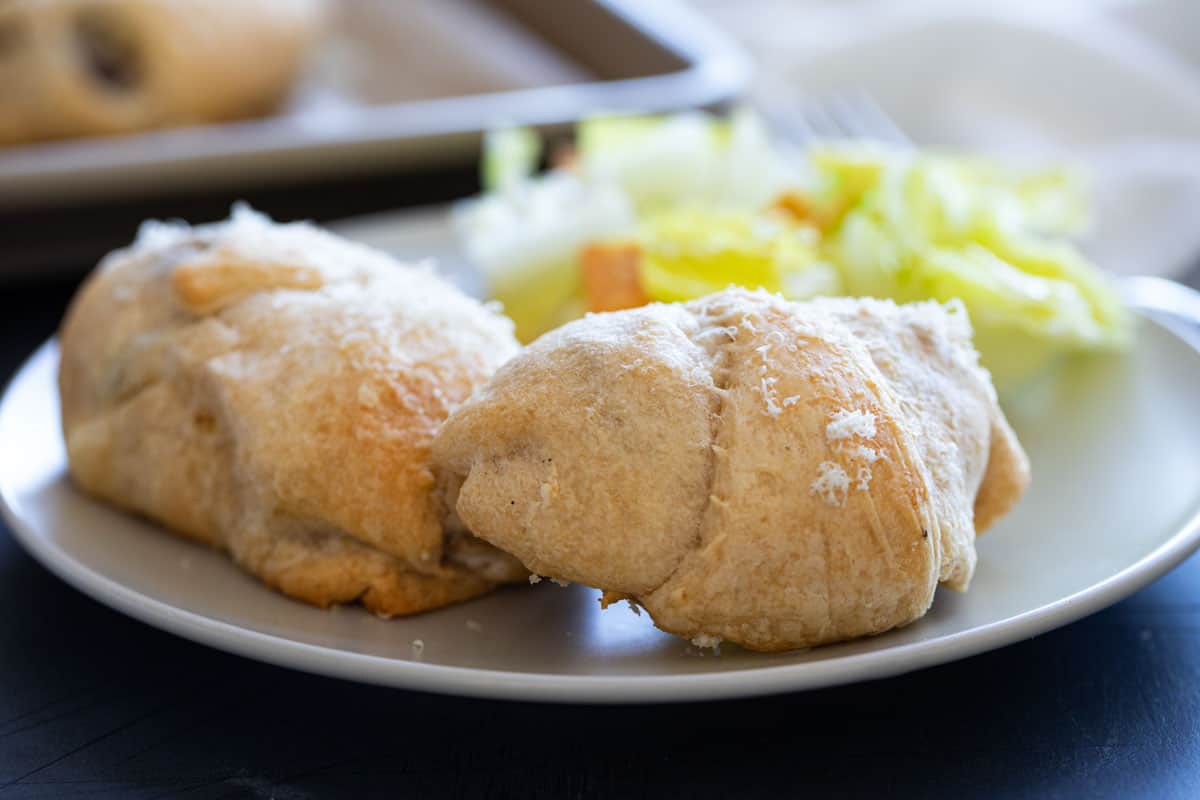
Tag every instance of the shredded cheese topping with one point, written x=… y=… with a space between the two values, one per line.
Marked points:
x=832 y=483
x=848 y=424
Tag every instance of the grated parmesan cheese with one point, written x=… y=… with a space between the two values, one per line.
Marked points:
x=707 y=641
x=368 y=395
x=864 y=479
x=535 y=579
x=832 y=483
x=848 y=424
x=768 y=397
x=864 y=453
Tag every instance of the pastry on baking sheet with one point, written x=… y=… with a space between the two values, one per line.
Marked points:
x=770 y=473
x=86 y=67
x=273 y=390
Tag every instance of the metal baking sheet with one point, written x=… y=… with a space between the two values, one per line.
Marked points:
x=410 y=83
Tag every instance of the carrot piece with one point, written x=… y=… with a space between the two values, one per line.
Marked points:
x=565 y=156
x=801 y=208
x=612 y=276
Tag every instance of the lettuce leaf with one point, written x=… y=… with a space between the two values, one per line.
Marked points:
x=926 y=226
x=685 y=159
x=510 y=156
x=693 y=252
x=714 y=202
x=526 y=242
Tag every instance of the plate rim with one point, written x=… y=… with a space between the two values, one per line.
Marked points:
x=623 y=689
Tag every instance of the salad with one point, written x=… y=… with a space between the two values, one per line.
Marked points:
x=647 y=209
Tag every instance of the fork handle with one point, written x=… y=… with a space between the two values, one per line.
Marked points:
x=1166 y=300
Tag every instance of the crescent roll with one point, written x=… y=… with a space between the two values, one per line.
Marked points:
x=88 y=67
x=274 y=390
x=771 y=473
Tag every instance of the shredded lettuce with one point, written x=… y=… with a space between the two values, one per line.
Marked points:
x=689 y=159
x=526 y=242
x=928 y=226
x=510 y=156
x=713 y=202
x=693 y=252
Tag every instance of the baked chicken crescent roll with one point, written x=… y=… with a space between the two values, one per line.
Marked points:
x=88 y=67
x=749 y=469
x=273 y=390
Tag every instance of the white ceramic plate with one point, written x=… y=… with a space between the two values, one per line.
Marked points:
x=1115 y=446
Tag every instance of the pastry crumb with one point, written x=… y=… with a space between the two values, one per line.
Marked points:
x=474 y=626
x=418 y=647
x=535 y=579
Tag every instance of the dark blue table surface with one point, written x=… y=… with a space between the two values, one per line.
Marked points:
x=93 y=704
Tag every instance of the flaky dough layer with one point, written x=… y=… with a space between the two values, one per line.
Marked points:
x=749 y=469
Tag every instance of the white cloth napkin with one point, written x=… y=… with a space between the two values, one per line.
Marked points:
x=1146 y=206
x=1091 y=81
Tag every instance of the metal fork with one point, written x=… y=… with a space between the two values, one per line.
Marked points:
x=841 y=115
x=856 y=115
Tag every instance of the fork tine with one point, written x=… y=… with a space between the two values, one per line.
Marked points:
x=824 y=119
x=844 y=115
x=873 y=120
x=784 y=112
x=835 y=115
x=789 y=124
x=846 y=110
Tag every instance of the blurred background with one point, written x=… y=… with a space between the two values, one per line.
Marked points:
x=369 y=105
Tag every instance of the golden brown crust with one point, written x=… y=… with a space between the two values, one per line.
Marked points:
x=1005 y=479
x=777 y=564
x=274 y=391
x=775 y=474
x=215 y=279
x=88 y=67
x=329 y=569
x=964 y=442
